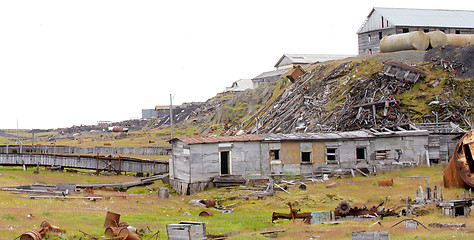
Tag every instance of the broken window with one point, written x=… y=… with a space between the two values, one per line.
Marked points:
x=457 y=32
x=225 y=162
x=275 y=154
x=370 y=38
x=380 y=36
x=405 y=30
x=331 y=156
x=360 y=154
x=305 y=156
x=426 y=30
x=382 y=23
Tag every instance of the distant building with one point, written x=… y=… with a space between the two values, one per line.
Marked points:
x=385 y=21
x=290 y=60
x=158 y=111
x=270 y=76
x=240 y=85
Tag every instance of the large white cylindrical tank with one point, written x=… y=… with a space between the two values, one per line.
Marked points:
x=460 y=40
x=406 y=41
x=437 y=39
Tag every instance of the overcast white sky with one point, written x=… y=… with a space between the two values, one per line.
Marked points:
x=65 y=63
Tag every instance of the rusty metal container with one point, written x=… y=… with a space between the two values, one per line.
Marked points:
x=206 y=214
x=208 y=202
x=460 y=169
x=31 y=235
x=112 y=231
x=385 y=182
x=406 y=41
x=111 y=219
x=437 y=39
x=460 y=40
x=127 y=234
x=295 y=73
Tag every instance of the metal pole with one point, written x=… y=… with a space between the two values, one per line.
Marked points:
x=171 y=115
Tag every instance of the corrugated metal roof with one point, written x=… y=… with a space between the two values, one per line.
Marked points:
x=428 y=17
x=310 y=58
x=218 y=139
x=351 y=135
x=272 y=73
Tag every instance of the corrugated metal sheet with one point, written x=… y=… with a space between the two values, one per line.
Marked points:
x=218 y=139
x=428 y=17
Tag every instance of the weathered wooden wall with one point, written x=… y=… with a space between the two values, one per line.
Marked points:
x=78 y=150
x=84 y=162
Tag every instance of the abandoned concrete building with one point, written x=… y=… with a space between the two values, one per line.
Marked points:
x=385 y=21
x=195 y=162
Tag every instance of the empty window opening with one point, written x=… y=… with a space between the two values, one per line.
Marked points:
x=370 y=51
x=380 y=36
x=457 y=32
x=225 y=162
x=331 y=157
x=306 y=156
x=443 y=30
x=459 y=211
x=370 y=37
x=426 y=30
x=405 y=30
x=360 y=154
x=382 y=23
x=275 y=154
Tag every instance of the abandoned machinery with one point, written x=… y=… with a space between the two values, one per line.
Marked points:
x=460 y=170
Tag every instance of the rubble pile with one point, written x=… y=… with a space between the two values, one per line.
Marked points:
x=336 y=102
x=344 y=99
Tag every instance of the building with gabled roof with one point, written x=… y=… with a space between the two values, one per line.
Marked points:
x=290 y=60
x=196 y=163
x=385 y=21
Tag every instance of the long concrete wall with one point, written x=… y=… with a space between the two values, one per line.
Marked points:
x=79 y=150
x=85 y=162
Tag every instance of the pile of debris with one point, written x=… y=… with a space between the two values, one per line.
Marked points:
x=306 y=105
x=457 y=60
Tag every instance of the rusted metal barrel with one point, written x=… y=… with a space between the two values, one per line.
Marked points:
x=206 y=214
x=31 y=235
x=406 y=41
x=437 y=39
x=127 y=234
x=111 y=219
x=163 y=193
x=386 y=182
x=112 y=231
x=208 y=202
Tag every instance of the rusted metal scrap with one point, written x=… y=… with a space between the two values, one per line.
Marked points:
x=344 y=210
x=40 y=233
x=460 y=170
x=294 y=214
x=454 y=67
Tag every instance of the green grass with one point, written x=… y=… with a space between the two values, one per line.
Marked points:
x=141 y=207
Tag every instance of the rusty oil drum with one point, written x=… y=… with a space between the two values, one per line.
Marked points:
x=31 y=235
